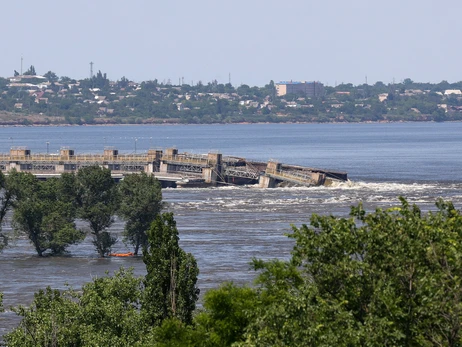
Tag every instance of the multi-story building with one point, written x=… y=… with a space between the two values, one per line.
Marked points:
x=310 y=89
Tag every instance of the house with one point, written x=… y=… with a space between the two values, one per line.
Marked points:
x=452 y=92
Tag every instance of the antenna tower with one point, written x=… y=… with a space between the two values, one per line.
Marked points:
x=21 y=64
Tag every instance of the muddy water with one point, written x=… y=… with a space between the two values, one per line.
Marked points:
x=226 y=227
x=223 y=227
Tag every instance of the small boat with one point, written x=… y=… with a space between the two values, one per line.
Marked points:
x=128 y=254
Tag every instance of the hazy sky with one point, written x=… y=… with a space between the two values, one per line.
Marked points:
x=331 y=41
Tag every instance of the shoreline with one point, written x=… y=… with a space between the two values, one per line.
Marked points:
x=202 y=124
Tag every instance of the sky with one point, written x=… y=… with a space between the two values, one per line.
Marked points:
x=245 y=41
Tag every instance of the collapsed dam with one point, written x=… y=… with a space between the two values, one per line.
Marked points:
x=171 y=168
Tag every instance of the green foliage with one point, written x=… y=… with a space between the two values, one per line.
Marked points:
x=6 y=200
x=51 y=76
x=117 y=310
x=140 y=203
x=174 y=333
x=104 y=313
x=154 y=102
x=41 y=213
x=391 y=277
x=30 y=71
x=226 y=315
x=97 y=200
x=171 y=278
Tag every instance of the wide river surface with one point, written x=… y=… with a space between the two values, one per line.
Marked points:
x=226 y=227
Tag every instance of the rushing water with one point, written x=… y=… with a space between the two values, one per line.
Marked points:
x=226 y=227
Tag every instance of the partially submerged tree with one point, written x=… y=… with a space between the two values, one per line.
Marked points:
x=140 y=203
x=171 y=277
x=120 y=310
x=6 y=201
x=41 y=213
x=97 y=204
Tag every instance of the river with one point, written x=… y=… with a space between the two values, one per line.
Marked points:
x=226 y=227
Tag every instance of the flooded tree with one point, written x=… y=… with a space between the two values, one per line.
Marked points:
x=6 y=200
x=43 y=213
x=97 y=203
x=140 y=203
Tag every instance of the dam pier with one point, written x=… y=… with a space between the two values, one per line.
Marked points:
x=171 y=168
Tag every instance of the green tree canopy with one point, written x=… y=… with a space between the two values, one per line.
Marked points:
x=171 y=278
x=387 y=278
x=140 y=203
x=6 y=200
x=51 y=76
x=104 y=313
x=43 y=213
x=97 y=201
x=31 y=71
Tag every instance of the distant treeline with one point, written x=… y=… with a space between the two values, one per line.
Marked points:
x=49 y=99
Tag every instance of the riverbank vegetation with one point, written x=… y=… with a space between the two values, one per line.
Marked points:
x=33 y=99
x=390 y=277
x=46 y=211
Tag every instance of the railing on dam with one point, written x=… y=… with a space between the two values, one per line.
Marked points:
x=212 y=168
x=187 y=158
x=77 y=158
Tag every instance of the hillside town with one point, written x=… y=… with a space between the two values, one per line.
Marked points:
x=33 y=99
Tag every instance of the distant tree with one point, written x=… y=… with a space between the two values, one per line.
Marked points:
x=243 y=89
x=65 y=79
x=100 y=80
x=140 y=203
x=123 y=83
x=51 y=76
x=97 y=204
x=30 y=71
x=171 y=277
x=408 y=82
x=270 y=90
x=16 y=73
x=229 y=88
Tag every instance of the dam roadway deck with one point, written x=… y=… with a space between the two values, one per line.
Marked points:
x=171 y=168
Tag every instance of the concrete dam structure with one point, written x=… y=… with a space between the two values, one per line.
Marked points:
x=171 y=168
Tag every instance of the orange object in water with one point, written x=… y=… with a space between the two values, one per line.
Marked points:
x=129 y=254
